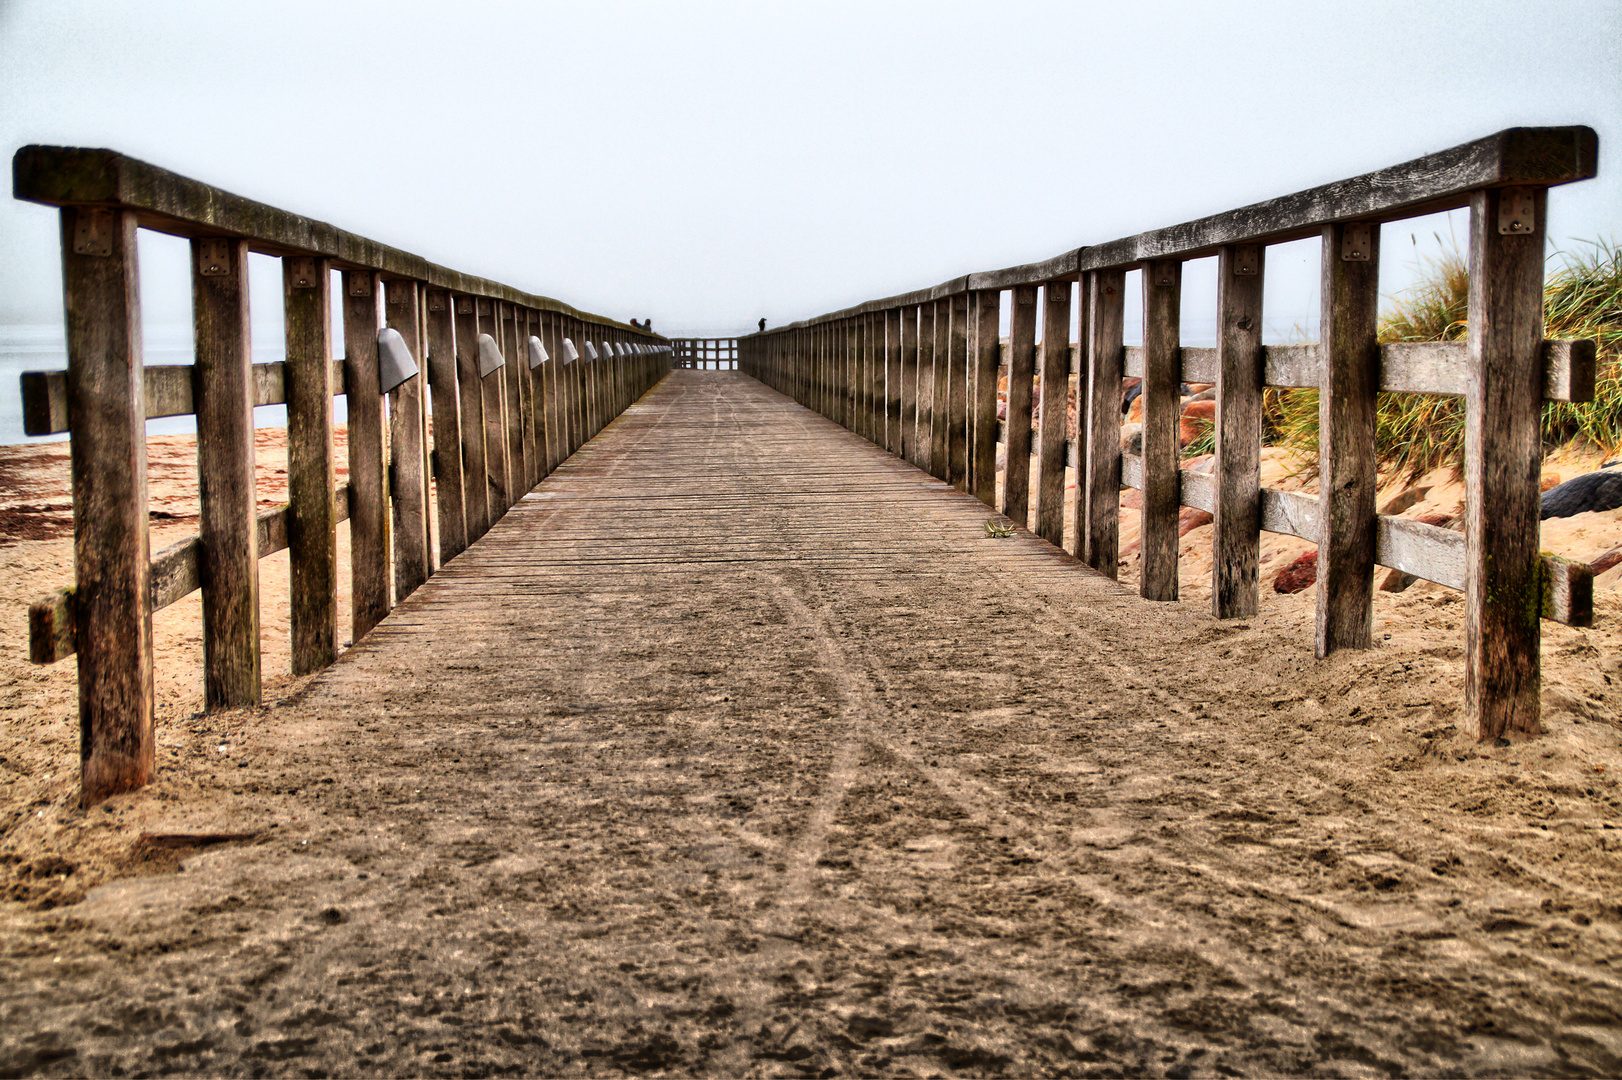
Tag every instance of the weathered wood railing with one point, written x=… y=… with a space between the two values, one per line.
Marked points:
x=918 y=375
x=705 y=353
x=512 y=396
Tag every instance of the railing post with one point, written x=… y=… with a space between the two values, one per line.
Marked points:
x=552 y=391
x=449 y=489
x=892 y=381
x=368 y=475
x=312 y=519
x=1021 y=377
x=1349 y=381
x=1098 y=438
x=985 y=318
x=908 y=420
x=1236 y=538
x=518 y=433
x=925 y=435
x=959 y=367
x=228 y=531
x=470 y=395
x=1051 y=455
x=408 y=485
x=1503 y=461
x=1162 y=378
x=494 y=388
x=111 y=556
x=940 y=392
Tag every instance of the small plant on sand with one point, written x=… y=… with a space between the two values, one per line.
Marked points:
x=1419 y=432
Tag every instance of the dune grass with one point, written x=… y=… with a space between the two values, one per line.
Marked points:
x=1416 y=433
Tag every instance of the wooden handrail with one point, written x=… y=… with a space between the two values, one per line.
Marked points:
x=896 y=370
x=496 y=432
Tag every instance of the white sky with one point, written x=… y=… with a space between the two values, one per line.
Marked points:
x=709 y=163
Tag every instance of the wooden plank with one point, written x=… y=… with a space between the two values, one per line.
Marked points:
x=1425 y=551
x=547 y=377
x=907 y=422
x=1568 y=594
x=957 y=393
x=449 y=473
x=986 y=350
x=1236 y=538
x=493 y=386
x=1021 y=377
x=408 y=480
x=1050 y=456
x=517 y=398
x=167 y=202
x=112 y=616
x=470 y=400
x=924 y=434
x=1098 y=498
x=369 y=540
x=1503 y=463
x=1162 y=326
x=225 y=474
x=312 y=515
x=873 y=358
x=1349 y=359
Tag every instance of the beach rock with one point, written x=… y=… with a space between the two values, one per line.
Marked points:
x=1190 y=427
x=1134 y=411
x=1132 y=439
x=1550 y=480
x=1299 y=575
x=1190 y=519
x=1606 y=561
x=1405 y=499
x=1132 y=499
x=1583 y=495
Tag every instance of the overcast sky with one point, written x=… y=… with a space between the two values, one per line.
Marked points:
x=706 y=164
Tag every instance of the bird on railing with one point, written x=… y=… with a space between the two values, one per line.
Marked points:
x=763 y=326
x=1584 y=494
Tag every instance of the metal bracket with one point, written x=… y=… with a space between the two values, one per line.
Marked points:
x=1057 y=291
x=302 y=273
x=397 y=292
x=1247 y=260
x=436 y=301
x=214 y=258
x=1165 y=275
x=93 y=231
x=1357 y=241
x=360 y=284
x=1516 y=213
x=464 y=305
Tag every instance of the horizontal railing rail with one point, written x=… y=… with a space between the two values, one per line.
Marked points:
x=517 y=383
x=918 y=374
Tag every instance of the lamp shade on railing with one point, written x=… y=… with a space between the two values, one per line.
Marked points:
x=537 y=353
x=591 y=351
x=490 y=356
x=395 y=364
x=570 y=353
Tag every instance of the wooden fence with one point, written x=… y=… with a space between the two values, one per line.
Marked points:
x=917 y=374
x=509 y=400
x=712 y=354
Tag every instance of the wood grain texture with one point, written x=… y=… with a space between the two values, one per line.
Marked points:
x=112 y=609
x=408 y=480
x=449 y=475
x=1160 y=371
x=1503 y=463
x=312 y=512
x=1349 y=360
x=893 y=437
x=225 y=474
x=1050 y=453
x=985 y=351
x=1098 y=502
x=470 y=398
x=908 y=419
x=369 y=540
x=1237 y=533
x=1021 y=378
x=957 y=393
x=924 y=435
x=506 y=321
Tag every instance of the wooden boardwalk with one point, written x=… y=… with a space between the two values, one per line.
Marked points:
x=737 y=747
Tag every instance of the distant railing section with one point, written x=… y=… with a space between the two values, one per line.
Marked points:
x=917 y=374
x=517 y=383
x=705 y=354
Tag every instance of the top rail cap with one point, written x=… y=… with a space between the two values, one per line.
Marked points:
x=1538 y=157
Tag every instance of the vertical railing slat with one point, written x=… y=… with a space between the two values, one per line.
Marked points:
x=449 y=490
x=1098 y=495
x=1349 y=381
x=984 y=319
x=111 y=556
x=408 y=483
x=1236 y=538
x=1162 y=379
x=312 y=520
x=368 y=474
x=1055 y=394
x=470 y=396
x=1021 y=378
x=1503 y=462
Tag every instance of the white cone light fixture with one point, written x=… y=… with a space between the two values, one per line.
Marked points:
x=591 y=351
x=537 y=353
x=395 y=364
x=570 y=353
x=490 y=356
